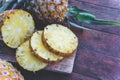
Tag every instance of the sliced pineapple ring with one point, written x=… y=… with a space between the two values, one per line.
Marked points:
x=27 y=60
x=39 y=49
x=18 y=26
x=60 y=39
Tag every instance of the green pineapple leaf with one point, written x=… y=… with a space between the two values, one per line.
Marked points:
x=5 y=6
x=87 y=18
x=1 y=3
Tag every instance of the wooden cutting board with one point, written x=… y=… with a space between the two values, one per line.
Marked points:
x=64 y=66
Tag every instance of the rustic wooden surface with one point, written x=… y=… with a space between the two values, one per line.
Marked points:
x=98 y=55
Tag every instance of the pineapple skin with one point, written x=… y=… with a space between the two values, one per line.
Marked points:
x=49 y=10
x=8 y=72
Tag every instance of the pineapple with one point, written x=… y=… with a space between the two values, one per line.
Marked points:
x=17 y=26
x=57 y=11
x=40 y=50
x=60 y=40
x=27 y=60
x=8 y=72
x=49 y=10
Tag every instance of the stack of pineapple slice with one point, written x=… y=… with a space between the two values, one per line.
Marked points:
x=40 y=50
x=36 y=50
x=26 y=59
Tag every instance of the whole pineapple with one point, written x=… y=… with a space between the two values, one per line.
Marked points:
x=49 y=10
x=8 y=72
x=56 y=11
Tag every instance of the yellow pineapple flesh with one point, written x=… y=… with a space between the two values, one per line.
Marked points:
x=40 y=51
x=17 y=26
x=27 y=60
x=60 y=40
x=8 y=72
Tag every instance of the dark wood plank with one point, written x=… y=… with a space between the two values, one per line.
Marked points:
x=6 y=52
x=98 y=55
x=47 y=75
x=101 y=13
x=57 y=76
x=99 y=42
x=105 y=3
x=97 y=66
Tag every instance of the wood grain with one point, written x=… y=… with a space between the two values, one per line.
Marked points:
x=115 y=4
x=64 y=66
x=7 y=53
x=98 y=55
x=99 y=42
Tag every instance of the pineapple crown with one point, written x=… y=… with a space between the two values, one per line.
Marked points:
x=75 y=16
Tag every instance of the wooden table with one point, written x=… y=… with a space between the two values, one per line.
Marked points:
x=98 y=55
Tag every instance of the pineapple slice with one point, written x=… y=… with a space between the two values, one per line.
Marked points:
x=60 y=39
x=17 y=26
x=27 y=60
x=40 y=51
x=8 y=72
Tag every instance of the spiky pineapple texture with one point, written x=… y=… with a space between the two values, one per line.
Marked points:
x=49 y=10
x=8 y=72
